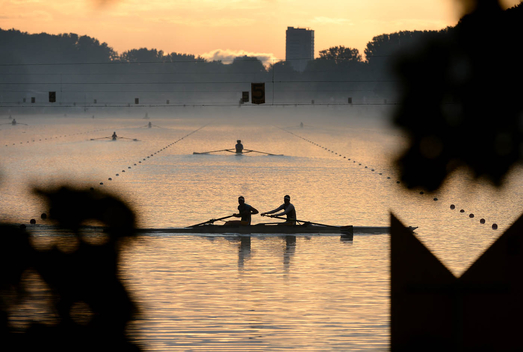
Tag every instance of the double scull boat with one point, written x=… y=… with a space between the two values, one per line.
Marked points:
x=271 y=228
x=208 y=227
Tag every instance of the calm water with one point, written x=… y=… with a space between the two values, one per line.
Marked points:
x=259 y=293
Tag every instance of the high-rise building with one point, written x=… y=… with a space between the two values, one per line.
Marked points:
x=299 y=47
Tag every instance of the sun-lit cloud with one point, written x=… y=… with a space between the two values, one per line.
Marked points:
x=37 y=15
x=197 y=5
x=408 y=24
x=24 y=2
x=332 y=21
x=227 y=56
x=206 y=22
x=412 y=24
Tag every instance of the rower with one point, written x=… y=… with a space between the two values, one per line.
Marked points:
x=239 y=146
x=114 y=136
x=287 y=208
x=13 y=122
x=244 y=212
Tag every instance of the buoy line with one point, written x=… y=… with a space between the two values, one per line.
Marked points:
x=153 y=154
x=33 y=140
x=43 y=216
x=482 y=221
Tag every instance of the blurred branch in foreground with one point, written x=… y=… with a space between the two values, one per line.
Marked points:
x=460 y=101
x=67 y=296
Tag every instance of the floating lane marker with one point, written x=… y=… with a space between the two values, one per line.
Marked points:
x=162 y=149
x=65 y=135
x=452 y=206
x=165 y=148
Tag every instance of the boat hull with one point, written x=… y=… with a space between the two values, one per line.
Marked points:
x=274 y=229
x=266 y=229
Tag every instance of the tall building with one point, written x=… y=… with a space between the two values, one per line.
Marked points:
x=299 y=47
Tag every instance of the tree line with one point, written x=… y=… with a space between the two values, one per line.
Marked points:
x=84 y=70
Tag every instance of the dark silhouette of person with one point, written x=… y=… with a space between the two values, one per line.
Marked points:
x=239 y=146
x=244 y=212
x=288 y=209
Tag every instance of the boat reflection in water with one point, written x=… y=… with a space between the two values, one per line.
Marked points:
x=289 y=246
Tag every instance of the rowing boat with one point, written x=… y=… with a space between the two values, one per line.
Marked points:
x=262 y=229
x=244 y=151
x=273 y=229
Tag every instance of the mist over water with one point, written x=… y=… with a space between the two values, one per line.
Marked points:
x=272 y=293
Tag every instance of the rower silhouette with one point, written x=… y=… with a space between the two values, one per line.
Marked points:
x=238 y=150
x=287 y=208
x=13 y=122
x=239 y=147
x=114 y=136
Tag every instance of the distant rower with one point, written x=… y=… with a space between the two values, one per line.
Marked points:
x=239 y=147
x=114 y=136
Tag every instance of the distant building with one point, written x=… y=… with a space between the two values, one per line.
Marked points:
x=299 y=47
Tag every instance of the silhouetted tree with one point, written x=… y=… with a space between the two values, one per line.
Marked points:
x=142 y=55
x=282 y=70
x=175 y=57
x=247 y=64
x=46 y=48
x=340 y=54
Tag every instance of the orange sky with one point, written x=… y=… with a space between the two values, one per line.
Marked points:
x=202 y=27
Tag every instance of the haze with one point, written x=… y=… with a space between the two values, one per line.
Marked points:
x=212 y=28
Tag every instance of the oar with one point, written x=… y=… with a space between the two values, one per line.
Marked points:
x=308 y=222
x=93 y=139
x=134 y=139
x=212 y=221
x=214 y=151
x=256 y=151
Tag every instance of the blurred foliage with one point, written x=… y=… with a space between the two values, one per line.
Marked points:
x=89 y=307
x=460 y=102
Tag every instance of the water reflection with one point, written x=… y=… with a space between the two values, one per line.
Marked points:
x=288 y=248
x=202 y=293
x=347 y=239
x=259 y=292
x=288 y=253
x=244 y=252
